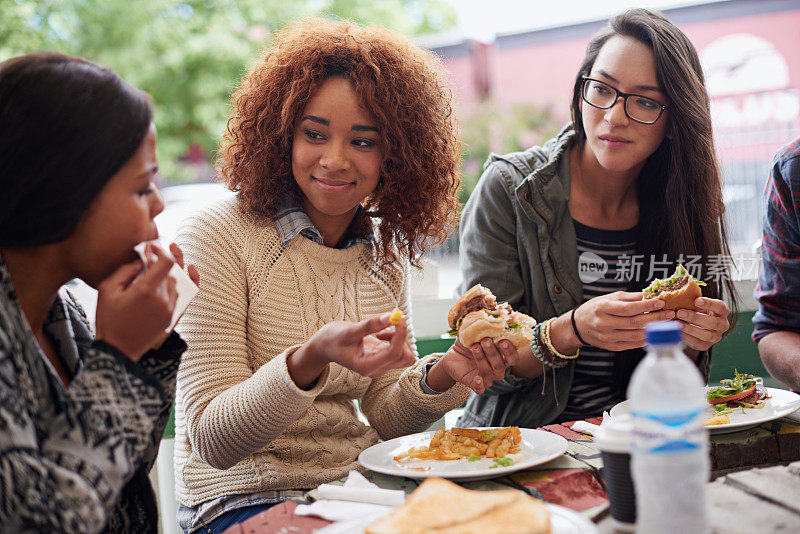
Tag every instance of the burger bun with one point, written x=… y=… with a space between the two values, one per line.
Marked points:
x=478 y=325
x=682 y=299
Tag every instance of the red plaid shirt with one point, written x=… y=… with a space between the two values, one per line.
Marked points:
x=778 y=289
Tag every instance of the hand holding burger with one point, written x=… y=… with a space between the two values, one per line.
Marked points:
x=705 y=319
x=488 y=336
x=477 y=315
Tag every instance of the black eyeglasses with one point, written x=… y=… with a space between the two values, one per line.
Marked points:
x=637 y=107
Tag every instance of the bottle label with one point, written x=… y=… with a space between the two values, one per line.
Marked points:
x=668 y=433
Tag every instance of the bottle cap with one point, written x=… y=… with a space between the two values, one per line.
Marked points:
x=663 y=333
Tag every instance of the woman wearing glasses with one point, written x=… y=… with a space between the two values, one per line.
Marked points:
x=571 y=232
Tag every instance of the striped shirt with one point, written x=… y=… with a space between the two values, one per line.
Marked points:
x=593 y=384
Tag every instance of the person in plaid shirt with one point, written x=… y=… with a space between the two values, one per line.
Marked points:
x=777 y=321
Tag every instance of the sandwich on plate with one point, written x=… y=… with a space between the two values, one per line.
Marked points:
x=742 y=391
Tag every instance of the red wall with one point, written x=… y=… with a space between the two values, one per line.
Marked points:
x=781 y=29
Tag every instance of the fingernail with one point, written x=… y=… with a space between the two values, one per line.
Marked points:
x=700 y=302
x=669 y=314
x=658 y=304
x=683 y=314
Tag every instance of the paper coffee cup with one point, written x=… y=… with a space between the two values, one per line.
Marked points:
x=613 y=438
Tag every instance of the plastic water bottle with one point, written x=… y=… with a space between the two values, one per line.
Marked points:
x=669 y=462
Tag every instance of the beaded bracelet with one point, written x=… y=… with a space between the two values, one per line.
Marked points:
x=551 y=356
x=545 y=335
x=537 y=351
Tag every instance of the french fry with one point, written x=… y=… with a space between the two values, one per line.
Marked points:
x=718 y=420
x=396 y=316
x=465 y=442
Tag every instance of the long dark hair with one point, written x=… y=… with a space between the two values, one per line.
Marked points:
x=679 y=188
x=66 y=127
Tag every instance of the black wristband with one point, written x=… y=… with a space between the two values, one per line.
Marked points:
x=575 y=327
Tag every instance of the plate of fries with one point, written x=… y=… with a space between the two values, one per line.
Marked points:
x=464 y=453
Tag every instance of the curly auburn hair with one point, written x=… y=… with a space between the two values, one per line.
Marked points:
x=399 y=84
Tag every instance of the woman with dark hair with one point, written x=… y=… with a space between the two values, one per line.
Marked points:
x=81 y=415
x=343 y=150
x=574 y=230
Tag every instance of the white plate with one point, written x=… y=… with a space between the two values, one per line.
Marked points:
x=781 y=404
x=537 y=447
x=566 y=521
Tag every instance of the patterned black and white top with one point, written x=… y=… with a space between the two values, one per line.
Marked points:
x=76 y=459
x=593 y=384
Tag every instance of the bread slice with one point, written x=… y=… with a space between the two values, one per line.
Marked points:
x=478 y=325
x=438 y=506
x=524 y=515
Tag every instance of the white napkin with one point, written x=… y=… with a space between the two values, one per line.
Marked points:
x=352 y=506
x=368 y=494
x=183 y=284
x=588 y=428
x=585 y=428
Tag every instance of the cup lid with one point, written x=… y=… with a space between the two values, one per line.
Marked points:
x=615 y=434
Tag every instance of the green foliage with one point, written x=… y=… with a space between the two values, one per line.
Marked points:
x=501 y=128
x=188 y=55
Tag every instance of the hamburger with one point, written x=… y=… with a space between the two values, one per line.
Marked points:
x=477 y=315
x=678 y=292
x=742 y=391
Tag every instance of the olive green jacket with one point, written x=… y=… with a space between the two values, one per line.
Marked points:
x=518 y=239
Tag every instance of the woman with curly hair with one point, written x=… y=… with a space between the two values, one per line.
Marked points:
x=343 y=151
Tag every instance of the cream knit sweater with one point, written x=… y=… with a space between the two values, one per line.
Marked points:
x=242 y=425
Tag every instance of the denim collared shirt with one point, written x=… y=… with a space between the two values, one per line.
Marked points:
x=292 y=221
x=779 y=282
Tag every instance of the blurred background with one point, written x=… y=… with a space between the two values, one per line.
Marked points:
x=511 y=67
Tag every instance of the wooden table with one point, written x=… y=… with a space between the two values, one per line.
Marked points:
x=574 y=481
